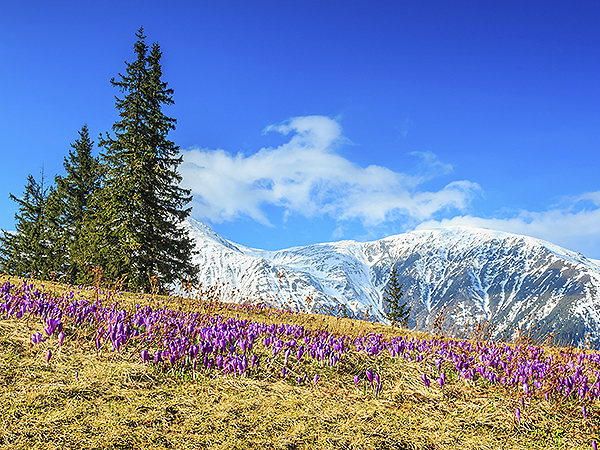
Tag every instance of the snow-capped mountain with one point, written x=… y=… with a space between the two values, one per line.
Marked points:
x=476 y=274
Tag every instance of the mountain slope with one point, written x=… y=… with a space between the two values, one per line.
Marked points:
x=475 y=274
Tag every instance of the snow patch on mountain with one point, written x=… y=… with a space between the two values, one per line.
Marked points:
x=467 y=273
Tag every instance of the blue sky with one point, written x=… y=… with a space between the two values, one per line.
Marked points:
x=312 y=121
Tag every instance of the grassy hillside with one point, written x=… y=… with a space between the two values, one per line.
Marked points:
x=98 y=368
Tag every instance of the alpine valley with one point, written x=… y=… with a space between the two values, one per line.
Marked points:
x=461 y=275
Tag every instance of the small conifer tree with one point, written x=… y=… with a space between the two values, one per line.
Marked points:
x=71 y=205
x=395 y=310
x=30 y=250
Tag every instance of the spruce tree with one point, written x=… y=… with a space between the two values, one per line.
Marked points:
x=141 y=206
x=30 y=250
x=71 y=206
x=396 y=311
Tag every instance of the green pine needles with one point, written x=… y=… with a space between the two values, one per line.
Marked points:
x=395 y=310
x=71 y=207
x=29 y=251
x=141 y=208
x=122 y=212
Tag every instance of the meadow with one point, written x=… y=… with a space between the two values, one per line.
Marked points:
x=99 y=368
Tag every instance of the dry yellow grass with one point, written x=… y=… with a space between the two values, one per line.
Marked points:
x=82 y=400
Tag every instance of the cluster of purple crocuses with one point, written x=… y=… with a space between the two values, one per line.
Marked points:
x=212 y=344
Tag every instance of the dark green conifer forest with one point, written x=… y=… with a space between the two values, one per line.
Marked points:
x=121 y=212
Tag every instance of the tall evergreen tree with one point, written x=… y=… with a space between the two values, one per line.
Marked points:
x=30 y=250
x=71 y=205
x=396 y=311
x=140 y=232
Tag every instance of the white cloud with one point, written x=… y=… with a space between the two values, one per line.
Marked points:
x=306 y=176
x=573 y=224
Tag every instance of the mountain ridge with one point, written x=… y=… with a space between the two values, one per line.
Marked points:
x=473 y=274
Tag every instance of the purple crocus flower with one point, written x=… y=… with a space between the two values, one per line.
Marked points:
x=37 y=338
x=594 y=445
x=52 y=325
x=145 y=356
x=61 y=338
x=48 y=356
x=426 y=380
x=356 y=380
x=518 y=414
x=583 y=411
x=369 y=376
x=315 y=379
x=442 y=379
